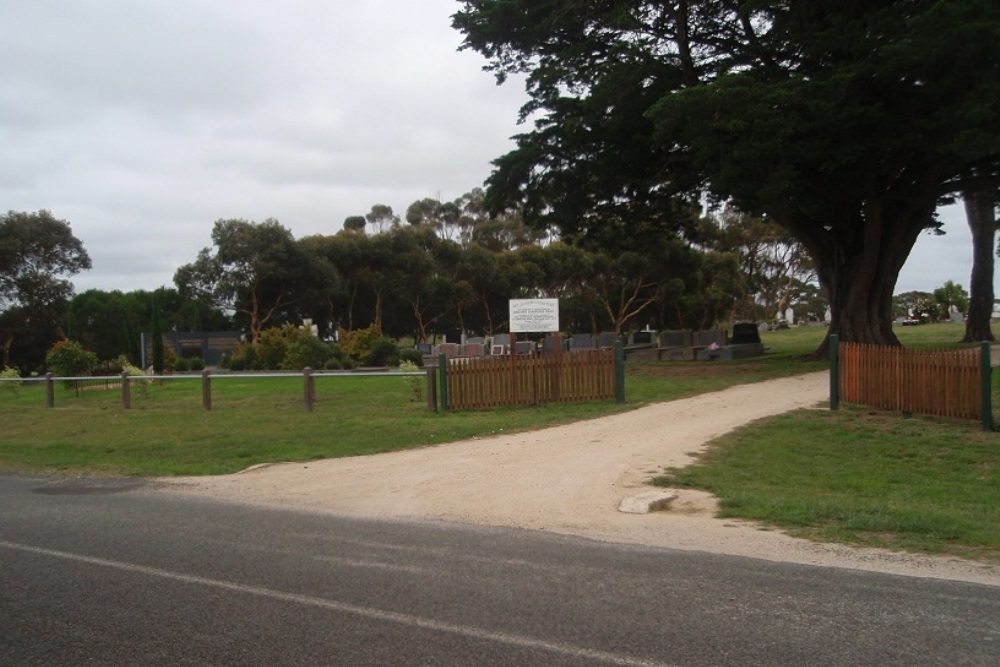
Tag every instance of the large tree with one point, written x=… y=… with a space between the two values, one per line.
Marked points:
x=844 y=121
x=38 y=254
x=257 y=270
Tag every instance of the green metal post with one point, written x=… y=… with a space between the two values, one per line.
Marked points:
x=619 y=373
x=443 y=368
x=987 y=385
x=834 y=372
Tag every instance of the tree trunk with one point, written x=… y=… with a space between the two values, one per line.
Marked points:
x=858 y=271
x=982 y=223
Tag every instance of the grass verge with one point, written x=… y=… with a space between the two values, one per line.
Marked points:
x=860 y=477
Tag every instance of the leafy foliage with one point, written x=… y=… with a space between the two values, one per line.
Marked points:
x=68 y=358
x=257 y=270
x=37 y=255
x=8 y=375
x=844 y=122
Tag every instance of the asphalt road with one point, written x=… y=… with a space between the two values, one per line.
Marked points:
x=111 y=573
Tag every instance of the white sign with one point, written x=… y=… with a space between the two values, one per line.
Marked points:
x=534 y=315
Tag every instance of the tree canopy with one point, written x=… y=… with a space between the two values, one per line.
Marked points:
x=38 y=254
x=844 y=121
x=257 y=270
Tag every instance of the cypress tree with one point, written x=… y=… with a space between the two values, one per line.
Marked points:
x=157 y=336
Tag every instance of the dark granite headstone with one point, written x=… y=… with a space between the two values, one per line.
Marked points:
x=745 y=332
x=642 y=338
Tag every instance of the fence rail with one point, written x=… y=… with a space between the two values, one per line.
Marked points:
x=125 y=382
x=489 y=382
x=947 y=383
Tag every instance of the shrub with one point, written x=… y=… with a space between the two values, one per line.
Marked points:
x=357 y=344
x=414 y=382
x=169 y=359
x=412 y=355
x=196 y=364
x=110 y=366
x=136 y=372
x=383 y=352
x=242 y=358
x=274 y=343
x=307 y=351
x=8 y=375
x=182 y=365
x=68 y=359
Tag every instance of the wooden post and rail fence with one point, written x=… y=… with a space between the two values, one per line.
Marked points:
x=946 y=383
x=476 y=383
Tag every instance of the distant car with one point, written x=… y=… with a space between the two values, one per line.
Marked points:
x=912 y=321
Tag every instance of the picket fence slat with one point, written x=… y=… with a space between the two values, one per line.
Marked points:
x=532 y=379
x=936 y=382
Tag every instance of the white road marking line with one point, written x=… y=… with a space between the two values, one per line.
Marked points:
x=343 y=607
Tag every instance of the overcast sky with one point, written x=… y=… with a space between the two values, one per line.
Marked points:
x=143 y=122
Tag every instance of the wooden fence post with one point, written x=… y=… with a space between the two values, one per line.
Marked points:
x=987 y=385
x=126 y=391
x=309 y=388
x=431 y=389
x=619 y=372
x=50 y=391
x=206 y=390
x=834 y=372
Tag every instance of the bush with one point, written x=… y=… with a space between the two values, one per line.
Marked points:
x=383 y=352
x=181 y=365
x=68 y=358
x=196 y=364
x=412 y=355
x=110 y=366
x=242 y=358
x=8 y=375
x=357 y=344
x=136 y=372
x=274 y=343
x=307 y=351
x=169 y=359
x=414 y=382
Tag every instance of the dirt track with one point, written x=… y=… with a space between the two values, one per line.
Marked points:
x=571 y=479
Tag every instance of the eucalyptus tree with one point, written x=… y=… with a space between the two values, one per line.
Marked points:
x=38 y=254
x=775 y=267
x=844 y=121
x=381 y=218
x=422 y=270
x=256 y=270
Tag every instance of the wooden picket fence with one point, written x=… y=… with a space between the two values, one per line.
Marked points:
x=532 y=379
x=947 y=383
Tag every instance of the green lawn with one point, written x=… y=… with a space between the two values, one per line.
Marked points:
x=863 y=476
x=858 y=475
x=258 y=420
